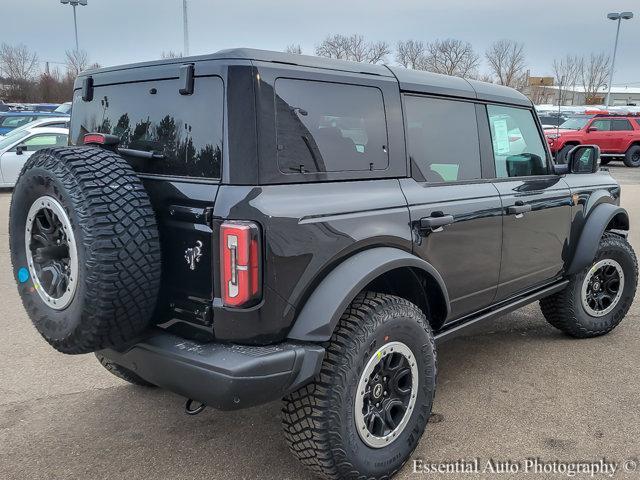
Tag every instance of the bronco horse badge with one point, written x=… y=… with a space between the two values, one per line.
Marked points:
x=192 y=255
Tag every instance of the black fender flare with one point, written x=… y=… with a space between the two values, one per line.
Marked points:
x=322 y=311
x=595 y=225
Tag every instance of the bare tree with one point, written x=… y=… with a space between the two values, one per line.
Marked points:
x=567 y=72
x=507 y=62
x=294 y=48
x=77 y=61
x=594 y=75
x=170 y=54
x=354 y=48
x=451 y=57
x=18 y=63
x=410 y=54
x=19 y=66
x=378 y=52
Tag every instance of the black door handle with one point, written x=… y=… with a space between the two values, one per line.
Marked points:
x=432 y=223
x=519 y=208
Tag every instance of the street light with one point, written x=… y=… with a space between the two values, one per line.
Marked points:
x=74 y=4
x=619 y=17
x=185 y=28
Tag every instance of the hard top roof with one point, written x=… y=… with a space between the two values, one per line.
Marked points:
x=409 y=80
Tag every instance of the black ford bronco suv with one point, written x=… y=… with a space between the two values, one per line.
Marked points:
x=248 y=226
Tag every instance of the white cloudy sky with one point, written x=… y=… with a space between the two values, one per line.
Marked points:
x=122 y=31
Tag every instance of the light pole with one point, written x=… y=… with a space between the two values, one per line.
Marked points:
x=185 y=28
x=74 y=4
x=619 y=17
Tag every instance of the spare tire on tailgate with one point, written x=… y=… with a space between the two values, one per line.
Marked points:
x=84 y=248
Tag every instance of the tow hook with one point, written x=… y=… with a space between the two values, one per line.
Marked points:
x=189 y=410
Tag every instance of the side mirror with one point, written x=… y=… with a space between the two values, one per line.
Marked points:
x=584 y=159
x=20 y=149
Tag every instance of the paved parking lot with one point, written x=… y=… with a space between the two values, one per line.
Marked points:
x=518 y=390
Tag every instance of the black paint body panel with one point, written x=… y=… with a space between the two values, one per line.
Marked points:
x=312 y=222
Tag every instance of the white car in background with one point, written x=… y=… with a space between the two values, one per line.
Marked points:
x=58 y=122
x=16 y=149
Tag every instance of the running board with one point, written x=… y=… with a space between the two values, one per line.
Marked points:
x=458 y=327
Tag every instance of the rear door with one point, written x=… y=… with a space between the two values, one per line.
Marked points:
x=536 y=204
x=447 y=191
x=622 y=133
x=185 y=132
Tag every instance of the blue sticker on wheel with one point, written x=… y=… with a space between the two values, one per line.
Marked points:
x=23 y=275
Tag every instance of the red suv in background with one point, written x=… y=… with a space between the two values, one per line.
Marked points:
x=616 y=135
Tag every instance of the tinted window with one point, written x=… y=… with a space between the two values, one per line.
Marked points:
x=329 y=127
x=620 y=124
x=153 y=116
x=442 y=138
x=601 y=125
x=517 y=147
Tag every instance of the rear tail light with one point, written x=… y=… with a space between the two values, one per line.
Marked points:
x=101 y=139
x=240 y=263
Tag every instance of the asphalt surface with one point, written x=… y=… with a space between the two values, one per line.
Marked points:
x=518 y=390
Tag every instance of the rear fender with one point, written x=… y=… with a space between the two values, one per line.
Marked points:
x=322 y=311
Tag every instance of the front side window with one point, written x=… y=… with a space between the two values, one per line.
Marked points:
x=329 y=127
x=600 y=125
x=517 y=146
x=442 y=139
x=48 y=140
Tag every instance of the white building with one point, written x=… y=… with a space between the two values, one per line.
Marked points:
x=620 y=95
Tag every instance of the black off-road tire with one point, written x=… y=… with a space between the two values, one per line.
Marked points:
x=632 y=157
x=118 y=248
x=319 y=419
x=123 y=373
x=564 y=310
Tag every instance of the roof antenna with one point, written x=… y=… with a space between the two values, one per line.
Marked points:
x=559 y=104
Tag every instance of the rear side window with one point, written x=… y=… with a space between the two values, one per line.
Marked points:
x=620 y=124
x=442 y=138
x=329 y=127
x=517 y=146
x=152 y=116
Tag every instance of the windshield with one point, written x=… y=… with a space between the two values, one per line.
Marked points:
x=24 y=127
x=9 y=140
x=64 y=108
x=575 y=123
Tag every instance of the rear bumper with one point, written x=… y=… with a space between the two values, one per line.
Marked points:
x=223 y=376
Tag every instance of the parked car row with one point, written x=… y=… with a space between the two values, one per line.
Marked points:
x=35 y=107
x=22 y=142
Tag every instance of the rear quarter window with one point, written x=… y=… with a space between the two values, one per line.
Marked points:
x=152 y=116
x=329 y=127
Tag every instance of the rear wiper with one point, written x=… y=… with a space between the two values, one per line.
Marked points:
x=141 y=154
